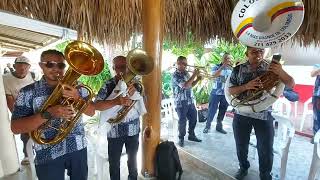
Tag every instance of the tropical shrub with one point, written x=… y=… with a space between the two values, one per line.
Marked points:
x=166 y=78
x=237 y=50
x=189 y=47
x=95 y=82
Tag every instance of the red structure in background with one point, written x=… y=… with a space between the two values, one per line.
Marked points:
x=305 y=92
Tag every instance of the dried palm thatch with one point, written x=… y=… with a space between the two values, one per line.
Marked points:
x=114 y=21
x=309 y=32
x=204 y=18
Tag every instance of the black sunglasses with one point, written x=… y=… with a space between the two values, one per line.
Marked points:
x=51 y=64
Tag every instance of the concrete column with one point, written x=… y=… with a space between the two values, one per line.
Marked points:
x=8 y=152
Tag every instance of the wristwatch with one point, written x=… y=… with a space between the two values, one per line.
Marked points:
x=46 y=115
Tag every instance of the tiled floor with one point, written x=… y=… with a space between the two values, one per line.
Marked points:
x=218 y=150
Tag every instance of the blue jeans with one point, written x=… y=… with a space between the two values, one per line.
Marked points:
x=214 y=102
x=186 y=112
x=242 y=127
x=75 y=163
x=115 y=146
x=316 y=113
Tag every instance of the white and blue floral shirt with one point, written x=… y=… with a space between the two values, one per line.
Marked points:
x=219 y=82
x=130 y=126
x=180 y=93
x=29 y=102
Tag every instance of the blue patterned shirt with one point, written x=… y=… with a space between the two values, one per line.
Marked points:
x=242 y=74
x=179 y=92
x=219 y=82
x=130 y=126
x=29 y=102
x=316 y=91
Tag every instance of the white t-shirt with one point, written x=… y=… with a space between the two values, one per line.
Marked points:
x=12 y=84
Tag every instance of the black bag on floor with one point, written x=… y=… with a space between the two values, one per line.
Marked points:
x=203 y=115
x=167 y=161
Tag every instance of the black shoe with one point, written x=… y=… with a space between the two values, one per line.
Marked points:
x=206 y=130
x=241 y=173
x=181 y=142
x=194 y=138
x=265 y=176
x=221 y=130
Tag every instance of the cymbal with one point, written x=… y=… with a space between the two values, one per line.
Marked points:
x=267 y=23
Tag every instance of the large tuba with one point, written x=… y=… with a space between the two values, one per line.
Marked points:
x=83 y=59
x=264 y=24
x=138 y=63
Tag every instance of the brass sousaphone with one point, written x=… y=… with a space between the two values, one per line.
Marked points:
x=83 y=59
x=264 y=24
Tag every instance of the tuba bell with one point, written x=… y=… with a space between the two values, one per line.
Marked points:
x=83 y=59
x=138 y=63
x=263 y=24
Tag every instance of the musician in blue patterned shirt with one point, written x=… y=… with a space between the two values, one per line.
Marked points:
x=125 y=133
x=182 y=85
x=71 y=153
x=316 y=98
x=245 y=77
x=220 y=72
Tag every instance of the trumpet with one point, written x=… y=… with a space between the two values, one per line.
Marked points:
x=202 y=71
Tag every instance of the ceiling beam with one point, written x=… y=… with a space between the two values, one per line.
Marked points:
x=9 y=19
x=20 y=39
x=18 y=44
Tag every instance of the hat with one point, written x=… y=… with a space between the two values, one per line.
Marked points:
x=22 y=59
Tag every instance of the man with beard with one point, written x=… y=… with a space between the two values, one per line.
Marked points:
x=71 y=153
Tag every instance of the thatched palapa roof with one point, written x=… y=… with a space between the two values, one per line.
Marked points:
x=115 y=21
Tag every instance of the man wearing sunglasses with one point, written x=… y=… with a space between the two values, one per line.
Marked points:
x=244 y=77
x=182 y=84
x=13 y=82
x=126 y=132
x=71 y=154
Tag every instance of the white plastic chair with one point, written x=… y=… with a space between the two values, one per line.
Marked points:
x=282 y=107
x=168 y=109
x=306 y=112
x=296 y=108
x=31 y=159
x=315 y=163
x=169 y=116
x=95 y=141
x=282 y=140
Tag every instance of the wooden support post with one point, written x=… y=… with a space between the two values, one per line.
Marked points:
x=152 y=44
